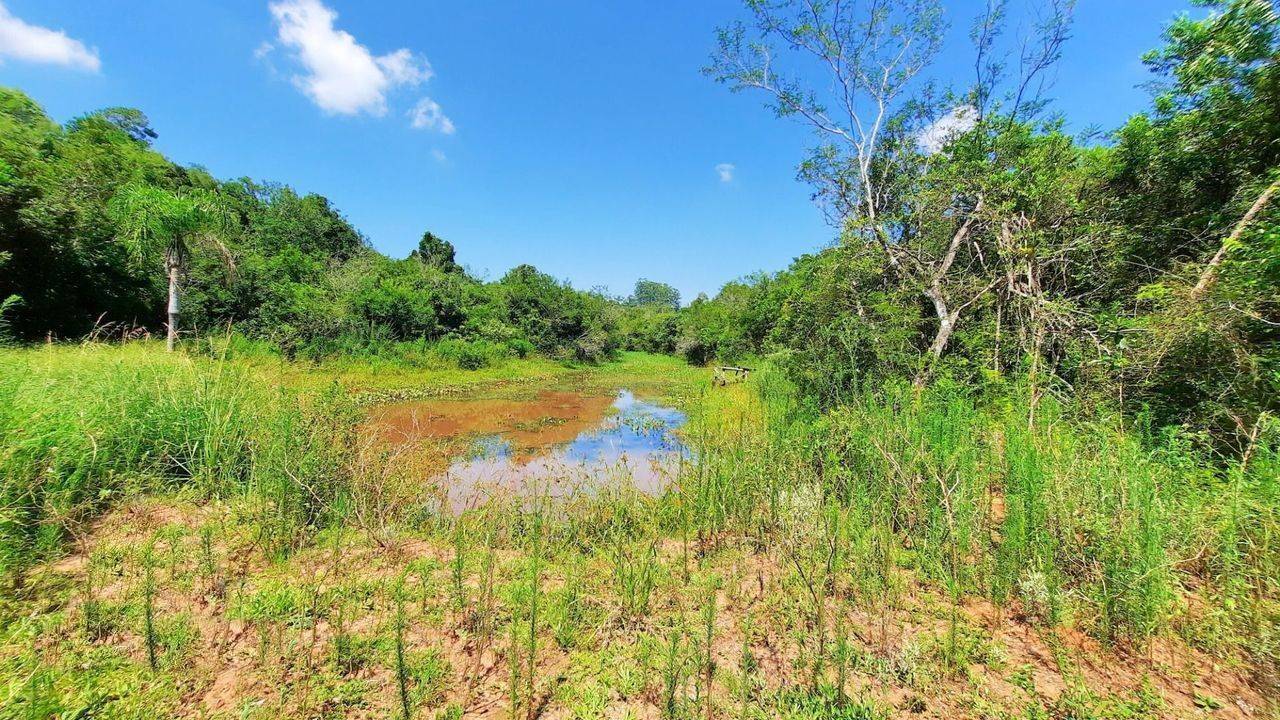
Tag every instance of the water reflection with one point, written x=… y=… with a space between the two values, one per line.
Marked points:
x=635 y=446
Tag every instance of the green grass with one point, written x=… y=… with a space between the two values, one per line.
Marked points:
x=800 y=561
x=84 y=426
x=377 y=379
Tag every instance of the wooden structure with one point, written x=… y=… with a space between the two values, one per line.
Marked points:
x=724 y=374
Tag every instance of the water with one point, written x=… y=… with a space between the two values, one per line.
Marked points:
x=557 y=444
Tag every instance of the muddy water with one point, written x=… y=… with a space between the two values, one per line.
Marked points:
x=557 y=443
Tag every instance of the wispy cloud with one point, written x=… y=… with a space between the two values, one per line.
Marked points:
x=32 y=43
x=427 y=115
x=439 y=155
x=936 y=136
x=340 y=75
x=725 y=171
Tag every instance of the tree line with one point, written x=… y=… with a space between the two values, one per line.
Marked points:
x=101 y=234
x=979 y=244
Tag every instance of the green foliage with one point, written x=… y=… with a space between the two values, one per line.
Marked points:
x=149 y=604
x=649 y=329
x=87 y=210
x=655 y=294
x=81 y=427
x=55 y=185
x=1181 y=177
x=470 y=355
x=1007 y=380
x=6 y=306
x=401 y=667
x=436 y=252
x=876 y=524
x=825 y=704
x=558 y=320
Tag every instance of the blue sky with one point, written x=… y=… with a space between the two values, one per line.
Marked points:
x=576 y=135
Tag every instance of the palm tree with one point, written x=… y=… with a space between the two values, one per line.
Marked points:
x=153 y=222
x=6 y=305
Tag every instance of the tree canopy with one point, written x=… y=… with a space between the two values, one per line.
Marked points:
x=657 y=294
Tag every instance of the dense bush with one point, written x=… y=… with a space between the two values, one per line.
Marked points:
x=471 y=354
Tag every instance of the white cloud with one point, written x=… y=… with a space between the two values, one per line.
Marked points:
x=427 y=115
x=725 y=171
x=33 y=43
x=439 y=155
x=935 y=137
x=341 y=75
x=404 y=68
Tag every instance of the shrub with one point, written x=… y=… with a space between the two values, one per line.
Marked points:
x=521 y=347
x=470 y=354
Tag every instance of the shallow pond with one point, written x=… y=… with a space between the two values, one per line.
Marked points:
x=556 y=443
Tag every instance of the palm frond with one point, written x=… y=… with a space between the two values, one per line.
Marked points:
x=6 y=305
x=150 y=220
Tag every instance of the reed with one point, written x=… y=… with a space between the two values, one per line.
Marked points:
x=83 y=426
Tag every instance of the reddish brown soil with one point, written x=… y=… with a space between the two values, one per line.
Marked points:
x=238 y=662
x=550 y=418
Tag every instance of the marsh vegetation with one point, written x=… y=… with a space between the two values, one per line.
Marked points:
x=192 y=547
x=1008 y=450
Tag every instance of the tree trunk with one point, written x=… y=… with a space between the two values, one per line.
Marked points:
x=1210 y=273
x=172 y=336
x=946 y=317
x=946 y=325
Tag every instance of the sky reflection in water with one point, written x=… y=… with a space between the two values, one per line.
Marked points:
x=634 y=446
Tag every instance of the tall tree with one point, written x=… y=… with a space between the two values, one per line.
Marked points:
x=154 y=223
x=436 y=252
x=880 y=123
x=652 y=292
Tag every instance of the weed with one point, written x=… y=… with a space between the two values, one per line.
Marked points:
x=149 y=603
x=177 y=638
x=458 y=566
x=402 y=669
x=635 y=566
x=673 y=674
x=567 y=609
x=431 y=674
x=824 y=703
x=708 y=663
x=513 y=668
x=748 y=666
x=535 y=589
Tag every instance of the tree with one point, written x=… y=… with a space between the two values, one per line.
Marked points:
x=130 y=121
x=54 y=187
x=1191 y=211
x=880 y=124
x=436 y=252
x=152 y=222
x=651 y=292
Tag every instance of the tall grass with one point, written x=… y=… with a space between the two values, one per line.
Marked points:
x=1082 y=520
x=1085 y=520
x=83 y=426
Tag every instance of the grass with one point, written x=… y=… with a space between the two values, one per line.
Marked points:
x=182 y=521
x=85 y=426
